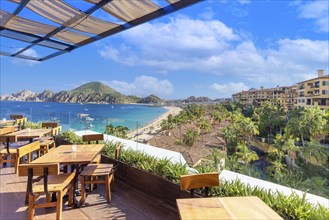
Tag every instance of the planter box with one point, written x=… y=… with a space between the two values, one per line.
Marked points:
x=60 y=141
x=148 y=183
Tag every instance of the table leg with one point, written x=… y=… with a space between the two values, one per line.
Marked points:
x=76 y=203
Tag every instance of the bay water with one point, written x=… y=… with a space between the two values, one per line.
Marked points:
x=79 y=116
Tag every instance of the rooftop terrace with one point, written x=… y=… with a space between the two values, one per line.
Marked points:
x=127 y=203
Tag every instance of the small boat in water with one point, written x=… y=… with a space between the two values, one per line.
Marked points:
x=89 y=118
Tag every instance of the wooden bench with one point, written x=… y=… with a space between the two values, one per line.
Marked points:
x=196 y=181
x=52 y=182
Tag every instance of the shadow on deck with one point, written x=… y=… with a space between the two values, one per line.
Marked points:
x=127 y=202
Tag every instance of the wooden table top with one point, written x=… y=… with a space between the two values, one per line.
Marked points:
x=248 y=207
x=22 y=134
x=64 y=155
x=2 y=122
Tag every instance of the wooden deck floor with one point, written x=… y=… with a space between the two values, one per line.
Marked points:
x=127 y=203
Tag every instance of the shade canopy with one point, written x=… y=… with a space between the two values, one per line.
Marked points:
x=63 y=27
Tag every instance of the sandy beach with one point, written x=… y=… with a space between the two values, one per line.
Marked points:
x=147 y=132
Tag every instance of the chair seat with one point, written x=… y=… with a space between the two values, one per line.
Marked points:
x=97 y=170
x=46 y=142
x=42 y=139
x=56 y=183
x=11 y=150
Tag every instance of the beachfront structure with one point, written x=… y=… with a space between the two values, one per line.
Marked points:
x=285 y=96
x=314 y=92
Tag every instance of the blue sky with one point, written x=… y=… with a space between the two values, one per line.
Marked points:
x=214 y=48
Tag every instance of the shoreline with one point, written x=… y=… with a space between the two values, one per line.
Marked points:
x=149 y=130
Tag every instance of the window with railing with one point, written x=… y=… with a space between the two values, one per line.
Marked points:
x=317 y=84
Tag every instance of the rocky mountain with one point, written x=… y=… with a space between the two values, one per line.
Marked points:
x=93 y=92
x=193 y=99
x=152 y=99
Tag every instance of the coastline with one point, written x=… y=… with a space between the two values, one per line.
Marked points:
x=150 y=129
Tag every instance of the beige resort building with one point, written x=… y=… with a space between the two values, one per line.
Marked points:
x=313 y=92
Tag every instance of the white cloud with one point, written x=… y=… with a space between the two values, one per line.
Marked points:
x=226 y=90
x=243 y=2
x=210 y=47
x=143 y=86
x=28 y=52
x=318 y=11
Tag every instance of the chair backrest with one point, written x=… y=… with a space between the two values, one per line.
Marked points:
x=196 y=181
x=16 y=117
x=117 y=152
x=38 y=169
x=7 y=130
x=26 y=150
x=93 y=137
x=21 y=122
x=49 y=124
x=55 y=131
x=42 y=170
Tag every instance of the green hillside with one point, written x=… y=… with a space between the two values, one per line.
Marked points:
x=94 y=87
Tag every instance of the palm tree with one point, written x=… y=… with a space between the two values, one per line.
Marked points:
x=121 y=131
x=109 y=129
x=245 y=154
x=314 y=151
x=216 y=116
x=204 y=126
x=277 y=170
x=190 y=137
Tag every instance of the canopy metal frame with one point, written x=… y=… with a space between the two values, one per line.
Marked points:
x=63 y=47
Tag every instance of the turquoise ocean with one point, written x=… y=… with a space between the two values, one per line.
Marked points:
x=78 y=116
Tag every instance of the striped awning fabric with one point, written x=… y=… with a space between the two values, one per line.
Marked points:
x=59 y=25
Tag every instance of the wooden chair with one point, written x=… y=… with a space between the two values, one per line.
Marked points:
x=4 y=154
x=20 y=123
x=94 y=172
x=14 y=117
x=196 y=181
x=48 y=143
x=52 y=182
x=27 y=151
x=93 y=138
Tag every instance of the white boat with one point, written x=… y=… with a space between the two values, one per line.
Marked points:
x=89 y=118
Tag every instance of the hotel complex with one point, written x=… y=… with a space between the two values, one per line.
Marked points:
x=312 y=92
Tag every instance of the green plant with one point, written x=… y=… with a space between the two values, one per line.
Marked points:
x=289 y=207
x=178 y=142
x=32 y=125
x=190 y=137
x=71 y=136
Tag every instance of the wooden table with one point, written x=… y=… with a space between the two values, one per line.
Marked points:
x=64 y=155
x=249 y=207
x=25 y=134
x=3 y=122
x=29 y=135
